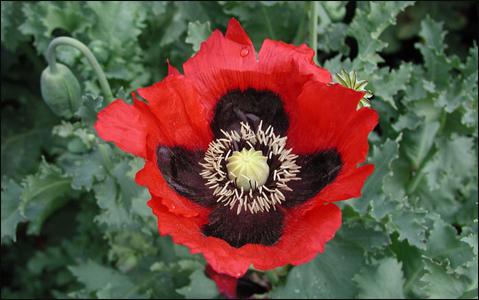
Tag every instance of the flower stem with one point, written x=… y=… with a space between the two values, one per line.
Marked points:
x=105 y=87
x=105 y=156
x=419 y=173
x=300 y=33
x=313 y=36
x=268 y=23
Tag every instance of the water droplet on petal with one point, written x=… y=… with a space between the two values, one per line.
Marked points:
x=244 y=52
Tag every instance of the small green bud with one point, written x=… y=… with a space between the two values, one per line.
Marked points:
x=61 y=90
x=351 y=81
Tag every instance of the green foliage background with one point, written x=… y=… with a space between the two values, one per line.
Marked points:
x=75 y=225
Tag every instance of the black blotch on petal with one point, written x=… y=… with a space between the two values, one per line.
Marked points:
x=181 y=170
x=265 y=228
x=317 y=171
x=249 y=106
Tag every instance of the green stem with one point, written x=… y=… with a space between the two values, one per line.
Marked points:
x=443 y=121
x=268 y=23
x=416 y=179
x=105 y=156
x=313 y=35
x=324 y=18
x=300 y=33
x=105 y=87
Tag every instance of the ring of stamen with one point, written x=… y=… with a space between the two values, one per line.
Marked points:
x=259 y=197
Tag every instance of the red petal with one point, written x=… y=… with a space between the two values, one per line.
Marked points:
x=236 y=33
x=348 y=184
x=151 y=177
x=226 y=284
x=179 y=112
x=303 y=238
x=172 y=70
x=220 y=63
x=229 y=62
x=276 y=57
x=323 y=113
x=128 y=126
x=328 y=118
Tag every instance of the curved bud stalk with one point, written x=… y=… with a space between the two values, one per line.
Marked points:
x=60 y=88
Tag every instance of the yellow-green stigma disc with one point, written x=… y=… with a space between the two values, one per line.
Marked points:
x=248 y=168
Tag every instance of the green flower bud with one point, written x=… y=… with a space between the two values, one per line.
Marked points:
x=61 y=90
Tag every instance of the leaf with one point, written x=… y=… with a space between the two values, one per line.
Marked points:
x=409 y=222
x=33 y=25
x=418 y=143
x=115 y=196
x=444 y=283
x=260 y=21
x=332 y=38
x=51 y=259
x=413 y=267
x=84 y=168
x=26 y=134
x=116 y=22
x=329 y=274
x=184 y=12
x=373 y=195
x=436 y=63
x=387 y=83
x=409 y=121
x=197 y=34
x=91 y=105
x=68 y=16
x=455 y=156
x=366 y=236
x=114 y=213
x=11 y=215
x=468 y=212
x=470 y=270
x=43 y=18
x=444 y=244
x=106 y=281
x=48 y=189
x=367 y=26
x=200 y=287
x=383 y=280
x=12 y=17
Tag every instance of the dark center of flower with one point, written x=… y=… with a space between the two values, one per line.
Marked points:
x=247 y=211
x=250 y=169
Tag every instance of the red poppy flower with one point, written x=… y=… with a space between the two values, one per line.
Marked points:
x=244 y=153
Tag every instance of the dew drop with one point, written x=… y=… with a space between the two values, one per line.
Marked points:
x=244 y=52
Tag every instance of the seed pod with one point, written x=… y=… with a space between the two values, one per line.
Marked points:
x=61 y=90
